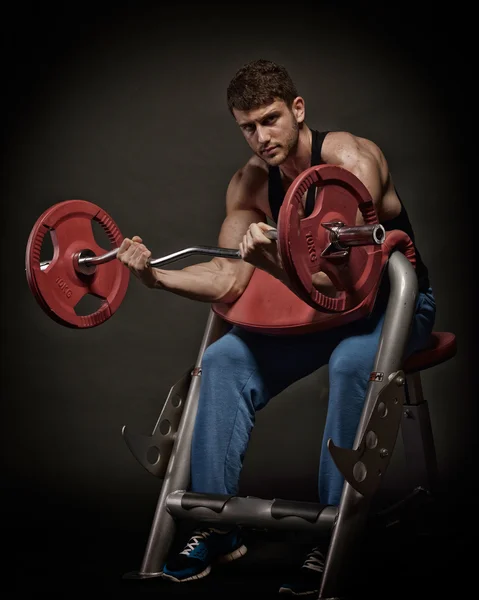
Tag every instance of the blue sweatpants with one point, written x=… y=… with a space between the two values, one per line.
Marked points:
x=243 y=370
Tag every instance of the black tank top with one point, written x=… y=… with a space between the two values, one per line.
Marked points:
x=276 y=196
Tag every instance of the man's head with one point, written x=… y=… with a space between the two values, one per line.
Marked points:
x=265 y=103
x=259 y=83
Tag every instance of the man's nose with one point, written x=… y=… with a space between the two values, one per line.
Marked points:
x=263 y=134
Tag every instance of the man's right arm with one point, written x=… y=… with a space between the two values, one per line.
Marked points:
x=220 y=279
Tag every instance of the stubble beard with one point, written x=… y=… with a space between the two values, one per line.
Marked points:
x=287 y=148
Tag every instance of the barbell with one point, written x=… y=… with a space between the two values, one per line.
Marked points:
x=327 y=240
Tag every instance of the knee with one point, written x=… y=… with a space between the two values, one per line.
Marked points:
x=349 y=366
x=211 y=356
x=348 y=379
x=221 y=354
x=228 y=354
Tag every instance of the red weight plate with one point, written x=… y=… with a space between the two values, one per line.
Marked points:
x=301 y=241
x=59 y=287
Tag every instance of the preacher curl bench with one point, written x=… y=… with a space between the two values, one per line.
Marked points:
x=323 y=241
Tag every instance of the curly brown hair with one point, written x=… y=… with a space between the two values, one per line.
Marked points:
x=258 y=83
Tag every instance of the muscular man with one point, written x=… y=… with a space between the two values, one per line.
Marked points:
x=242 y=370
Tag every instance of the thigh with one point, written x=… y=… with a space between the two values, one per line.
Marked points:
x=356 y=350
x=282 y=360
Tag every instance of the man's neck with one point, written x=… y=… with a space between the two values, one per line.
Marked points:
x=300 y=159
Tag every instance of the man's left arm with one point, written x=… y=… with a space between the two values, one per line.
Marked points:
x=364 y=159
x=359 y=156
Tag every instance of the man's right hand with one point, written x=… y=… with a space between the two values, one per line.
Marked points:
x=134 y=255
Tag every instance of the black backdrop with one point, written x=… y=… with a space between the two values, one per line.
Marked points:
x=125 y=107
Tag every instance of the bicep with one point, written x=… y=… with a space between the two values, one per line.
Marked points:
x=242 y=195
x=367 y=169
x=235 y=226
x=231 y=234
x=364 y=159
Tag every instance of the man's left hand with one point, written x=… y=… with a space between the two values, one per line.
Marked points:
x=260 y=251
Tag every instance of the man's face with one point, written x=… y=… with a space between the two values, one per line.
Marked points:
x=272 y=130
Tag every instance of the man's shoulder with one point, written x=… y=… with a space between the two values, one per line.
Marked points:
x=247 y=187
x=255 y=167
x=252 y=175
x=338 y=144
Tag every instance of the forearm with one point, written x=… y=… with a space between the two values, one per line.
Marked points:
x=205 y=282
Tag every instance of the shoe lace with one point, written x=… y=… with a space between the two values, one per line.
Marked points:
x=194 y=541
x=315 y=560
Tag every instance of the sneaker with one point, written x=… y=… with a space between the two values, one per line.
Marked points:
x=205 y=547
x=308 y=580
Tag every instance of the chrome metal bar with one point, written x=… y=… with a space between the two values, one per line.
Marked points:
x=354 y=507
x=361 y=235
x=344 y=237
x=204 y=250
x=164 y=260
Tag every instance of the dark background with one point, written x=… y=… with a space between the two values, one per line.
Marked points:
x=125 y=107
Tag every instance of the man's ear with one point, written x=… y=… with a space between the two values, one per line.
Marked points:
x=298 y=109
